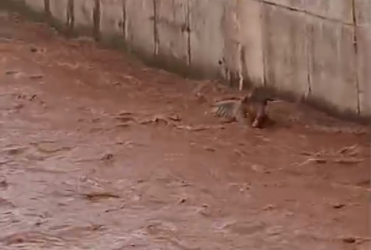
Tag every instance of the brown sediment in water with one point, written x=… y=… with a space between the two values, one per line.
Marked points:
x=99 y=151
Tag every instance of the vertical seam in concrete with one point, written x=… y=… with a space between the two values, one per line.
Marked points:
x=124 y=20
x=70 y=13
x=47 y=9
x=308 y=34
x=240 y=53
x=155 y=30
x=96 y=20
x=355 y=46
x=189 y=48
x=245 y=71
x=264 y=36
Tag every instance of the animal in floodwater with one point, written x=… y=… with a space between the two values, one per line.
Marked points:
x=257 y=110
x=251 y=110
x=232 y=110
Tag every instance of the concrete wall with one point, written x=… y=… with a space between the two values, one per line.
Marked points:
x=316 y=50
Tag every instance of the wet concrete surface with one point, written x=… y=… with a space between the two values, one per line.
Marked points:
x=99 y=151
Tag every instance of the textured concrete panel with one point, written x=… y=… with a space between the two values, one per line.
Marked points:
x=363 y=12
x=332 y=63
x=112 y=17
x=207 y=39
x=249 y=17
x=340 y=10
x=285 y=50
x=37 y=5
x=364 y=68
x=363 y=20
x=140 y=25
x=242 y=51
x=172 y=26
x=233 y=49
x=83 y=12
x=58 y=9
x=298 y=4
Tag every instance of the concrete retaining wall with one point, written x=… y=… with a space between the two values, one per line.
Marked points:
x=316 y=50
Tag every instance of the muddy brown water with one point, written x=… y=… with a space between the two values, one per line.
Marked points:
x=99 y=151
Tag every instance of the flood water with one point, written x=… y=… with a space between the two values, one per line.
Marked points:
x=98 y=151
